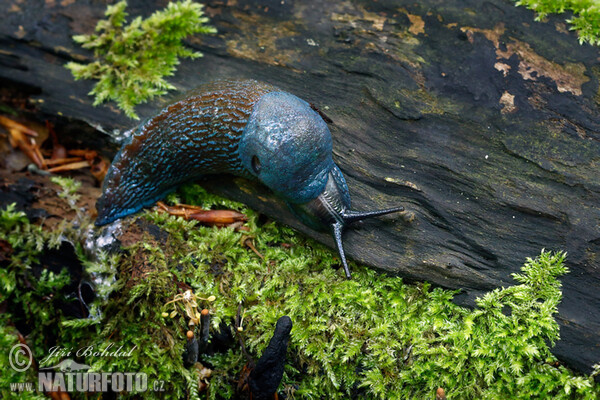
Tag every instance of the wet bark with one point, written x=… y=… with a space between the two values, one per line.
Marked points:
x=483 y=123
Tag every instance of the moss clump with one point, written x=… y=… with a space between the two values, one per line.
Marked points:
x=586 y=20
x=30 y=300
x=132 y=61
x=370 y=337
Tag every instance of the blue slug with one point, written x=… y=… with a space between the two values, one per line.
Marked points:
x=246 y=128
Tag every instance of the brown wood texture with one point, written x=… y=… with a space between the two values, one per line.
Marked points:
x=483 y=123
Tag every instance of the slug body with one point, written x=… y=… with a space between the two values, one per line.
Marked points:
x=246 y=128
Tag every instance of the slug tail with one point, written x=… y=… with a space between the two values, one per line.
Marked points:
x=109 y=212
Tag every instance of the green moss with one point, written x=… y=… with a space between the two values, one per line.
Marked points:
x=372 y=336
x=586 y=20
x=132 y=61
x=29 y=300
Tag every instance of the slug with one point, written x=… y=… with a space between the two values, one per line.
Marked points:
x=246 y=128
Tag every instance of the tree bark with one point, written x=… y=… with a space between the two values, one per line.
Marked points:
x=483 y=123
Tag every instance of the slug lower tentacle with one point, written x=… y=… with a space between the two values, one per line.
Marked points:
x=246 y=128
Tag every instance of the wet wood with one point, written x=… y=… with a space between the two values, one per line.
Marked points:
x=483 y=123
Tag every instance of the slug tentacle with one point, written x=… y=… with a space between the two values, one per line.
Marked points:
x=353 y=216
x=337 y=228
x=245 y=128
x=349 y=217
x=331 y=210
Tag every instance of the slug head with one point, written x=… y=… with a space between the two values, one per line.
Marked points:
x=287 y=146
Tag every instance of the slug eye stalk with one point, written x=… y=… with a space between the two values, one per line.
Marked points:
x=330 y=211
x=348 y=217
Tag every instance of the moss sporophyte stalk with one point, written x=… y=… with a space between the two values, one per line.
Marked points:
x=131 y=61
x=369 y=337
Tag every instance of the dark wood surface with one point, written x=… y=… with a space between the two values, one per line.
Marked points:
x=483 y=123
